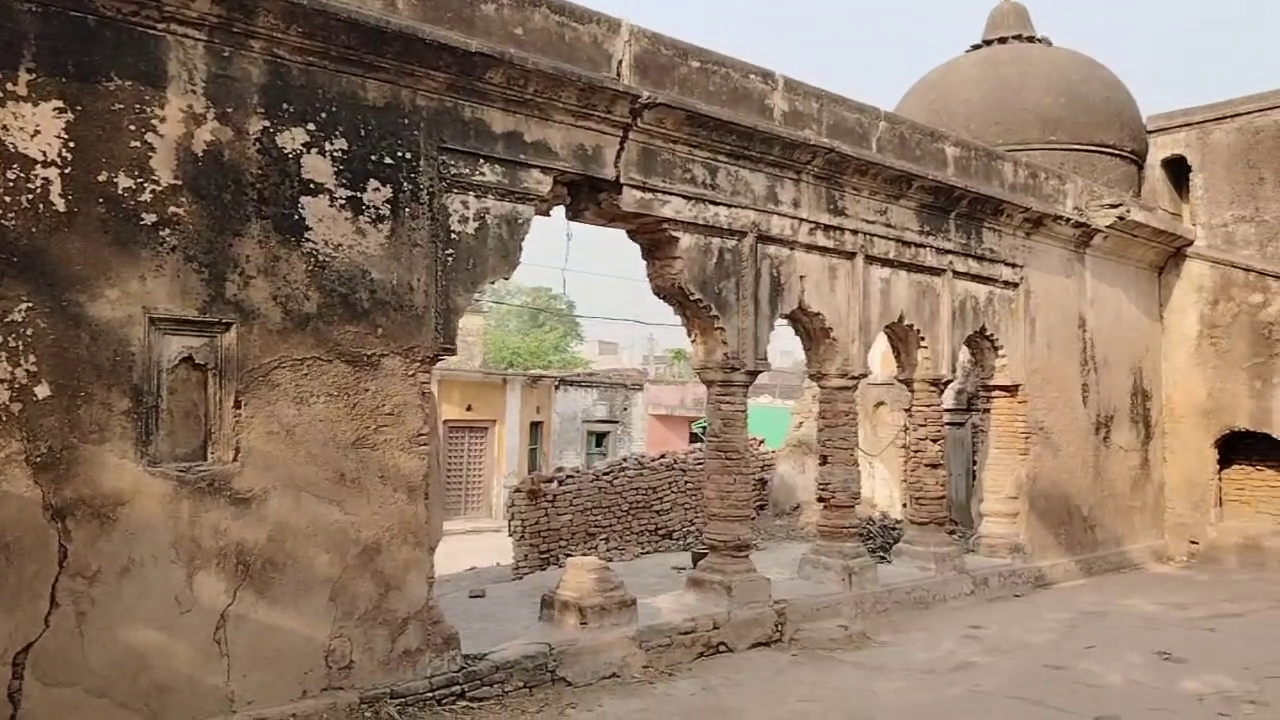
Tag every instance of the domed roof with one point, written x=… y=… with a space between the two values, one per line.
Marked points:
x=1016 y=91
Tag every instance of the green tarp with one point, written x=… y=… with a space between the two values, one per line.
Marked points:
x=767 y=422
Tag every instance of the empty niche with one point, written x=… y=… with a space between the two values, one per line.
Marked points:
x=190 y=387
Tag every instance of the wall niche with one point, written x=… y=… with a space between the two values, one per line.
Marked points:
x=189 y=392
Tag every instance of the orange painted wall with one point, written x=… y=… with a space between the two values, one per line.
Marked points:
x=668 y=432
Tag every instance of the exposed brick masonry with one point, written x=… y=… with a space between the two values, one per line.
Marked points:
x=1009 y=443
x=728 y=501
x=839 y=477
x=620 y=509
x=1251 y=480
x=926 y=473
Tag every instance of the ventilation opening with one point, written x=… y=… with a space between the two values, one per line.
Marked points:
x=1177 y=172
x=1249 y=477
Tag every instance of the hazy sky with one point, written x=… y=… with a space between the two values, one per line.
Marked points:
x=1172 y=54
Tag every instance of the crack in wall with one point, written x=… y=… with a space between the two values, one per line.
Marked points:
x=638 y=107
x=221 y=641
x=18 y=664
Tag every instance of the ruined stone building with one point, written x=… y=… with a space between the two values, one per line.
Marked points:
x=238 y=235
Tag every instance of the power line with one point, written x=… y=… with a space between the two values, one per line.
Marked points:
x=587 y=272
x=564 y=264
x=598 y=318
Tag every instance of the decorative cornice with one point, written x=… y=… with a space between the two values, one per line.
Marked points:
x=1136 y=235
x=773 y=122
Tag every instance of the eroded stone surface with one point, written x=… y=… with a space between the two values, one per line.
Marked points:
x=590 y=595
x=298 y=233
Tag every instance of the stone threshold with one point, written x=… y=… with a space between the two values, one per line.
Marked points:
x=473 y=526
x=579 y=659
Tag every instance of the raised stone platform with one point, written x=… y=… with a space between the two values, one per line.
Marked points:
x=677 y=627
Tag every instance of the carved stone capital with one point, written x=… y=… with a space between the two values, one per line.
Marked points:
x=839 y=379
x=716 y=375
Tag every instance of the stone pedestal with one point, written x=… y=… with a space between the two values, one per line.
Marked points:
x=590 y=596
x=844 y=564
x=998 y=547
x=730 y=580
x=930 y=546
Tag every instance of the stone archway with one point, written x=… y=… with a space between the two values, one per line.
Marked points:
x=966 y=405
x=882 y=434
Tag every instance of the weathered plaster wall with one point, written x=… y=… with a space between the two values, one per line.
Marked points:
x=1092 y=382
x=139 y=172
x=1221 y=312
x=794 y=485
x=536 y=402
x=882 y=443
x=613 y=406
x=142 y=171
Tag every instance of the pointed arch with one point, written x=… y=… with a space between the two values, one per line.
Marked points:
x=667 y=273
x=909 y=346
x=816 y=337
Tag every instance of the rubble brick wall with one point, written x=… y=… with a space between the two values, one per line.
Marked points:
x=620 y=509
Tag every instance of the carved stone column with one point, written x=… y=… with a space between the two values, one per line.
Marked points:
x=838 y=555
x=925 y=539
x=728 y=496
x=1000 y=532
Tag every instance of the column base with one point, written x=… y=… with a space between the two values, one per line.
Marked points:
x=733 y=581
x=591 y=596
x=998 y=547
x=930 y=546
x=848 y=566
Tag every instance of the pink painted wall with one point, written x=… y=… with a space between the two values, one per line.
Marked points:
x=690 y=396
x=667 y=432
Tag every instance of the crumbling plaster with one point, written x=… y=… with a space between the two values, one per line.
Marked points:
x=152 y=173
x=1221 y=316
x=600 y=403
x=344 y=219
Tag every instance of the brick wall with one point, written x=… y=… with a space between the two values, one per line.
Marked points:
x=618 y=510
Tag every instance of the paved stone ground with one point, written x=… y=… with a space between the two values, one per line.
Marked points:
x=1165 y=643
x=468 y=550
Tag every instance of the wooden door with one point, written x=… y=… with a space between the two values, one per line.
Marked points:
x=960 y=474
x=467 y=472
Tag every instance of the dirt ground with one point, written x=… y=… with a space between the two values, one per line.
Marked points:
x=1164 y=643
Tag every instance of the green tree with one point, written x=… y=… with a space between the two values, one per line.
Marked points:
x=530 y=328
x=681 y=364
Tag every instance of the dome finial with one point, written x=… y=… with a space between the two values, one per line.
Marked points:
x=1010 y=22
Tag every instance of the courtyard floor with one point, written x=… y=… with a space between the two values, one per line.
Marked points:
x=509 y=609
x=1189 y=642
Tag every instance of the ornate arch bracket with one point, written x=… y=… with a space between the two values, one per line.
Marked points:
x=698 y=276
x=482 y=213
